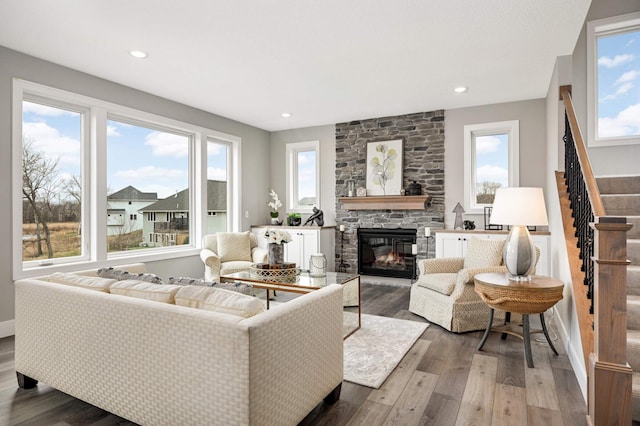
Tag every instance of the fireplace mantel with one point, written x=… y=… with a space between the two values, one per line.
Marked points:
x=386 y=202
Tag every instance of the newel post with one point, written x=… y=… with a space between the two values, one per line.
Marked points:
x=610 y=375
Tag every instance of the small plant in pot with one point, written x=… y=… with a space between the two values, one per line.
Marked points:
x=294 y=219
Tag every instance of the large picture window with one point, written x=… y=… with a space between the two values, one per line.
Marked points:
x=490 y=162
x=104 y=182
x=613 y=56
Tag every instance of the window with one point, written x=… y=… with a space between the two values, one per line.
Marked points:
x=490 y=162
x=51 y=147
x=147 y=171
x=102 y=181
x=217 y=194
x=613 y=74
x=303 y=182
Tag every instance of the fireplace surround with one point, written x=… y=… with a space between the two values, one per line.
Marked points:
x=386 y=252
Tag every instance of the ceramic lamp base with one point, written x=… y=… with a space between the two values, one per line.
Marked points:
x=519 y=254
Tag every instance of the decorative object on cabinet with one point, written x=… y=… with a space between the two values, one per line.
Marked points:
x=317 y=217
x=294 y=219
x=384 y=167
x=275 y=204
x=519 y=207
x=342 y=267
x=487 y=225
x=458 y=210
x=469 y=225
x=361 y=191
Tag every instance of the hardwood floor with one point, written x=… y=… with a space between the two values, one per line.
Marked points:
x=441 y=381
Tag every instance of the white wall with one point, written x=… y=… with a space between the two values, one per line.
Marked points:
x=327 y=137
x=531 y=115
x=566 y=319
x=255 y=149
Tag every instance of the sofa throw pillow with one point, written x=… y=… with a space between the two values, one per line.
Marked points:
x=234 y=246
x=144 y=290
x=120 y=274
x=92 y=283
x=483 y=252
x=235 y=286
x=219 y=300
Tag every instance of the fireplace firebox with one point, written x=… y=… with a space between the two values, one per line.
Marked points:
x=386 y=252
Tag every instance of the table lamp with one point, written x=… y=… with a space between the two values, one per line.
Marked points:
x=519 y=208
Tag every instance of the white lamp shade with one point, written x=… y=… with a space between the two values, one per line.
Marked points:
x=519 y=206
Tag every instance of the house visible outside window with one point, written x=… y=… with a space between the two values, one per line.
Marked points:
x=218 y=202
x=151 y=165
x=89 y=167
x=613 y=81
x=303 y=181
x=490 y=162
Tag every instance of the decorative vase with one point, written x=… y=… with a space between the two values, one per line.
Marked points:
x=274 y=218
x=275 y=254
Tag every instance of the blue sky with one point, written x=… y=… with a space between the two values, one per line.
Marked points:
x=618 y=91
x=150 y=160
x=492 y=159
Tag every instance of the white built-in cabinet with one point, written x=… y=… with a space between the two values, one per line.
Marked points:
x=454 y=244
x=306 y=240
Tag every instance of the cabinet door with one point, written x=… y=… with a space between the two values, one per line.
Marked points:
x=259 y=233
x=451 y=245
x=304 y=243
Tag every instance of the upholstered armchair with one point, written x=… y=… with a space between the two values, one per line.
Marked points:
x=228 y=252
x=444 y=292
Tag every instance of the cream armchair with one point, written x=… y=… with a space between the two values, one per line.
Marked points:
x=444 y=292
x=228 y=252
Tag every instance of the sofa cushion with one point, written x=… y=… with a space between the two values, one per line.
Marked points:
x=92 y=283
x=235 y=286
x=442 y=283
x=483 y=252
x=164 y=293
x=219 y=300
x=234 y=246
x=120 y=274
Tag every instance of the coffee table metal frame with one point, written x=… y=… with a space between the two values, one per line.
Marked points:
x=302 y=283
x=523 y=297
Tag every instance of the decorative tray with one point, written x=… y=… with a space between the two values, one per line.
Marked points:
x=286 y=272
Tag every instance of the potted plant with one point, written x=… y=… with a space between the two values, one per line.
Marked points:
x=275 y=204
x=294 y=219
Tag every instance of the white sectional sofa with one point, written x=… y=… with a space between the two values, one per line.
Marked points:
x=163 y=364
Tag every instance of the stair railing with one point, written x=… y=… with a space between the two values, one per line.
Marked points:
x=602 y=241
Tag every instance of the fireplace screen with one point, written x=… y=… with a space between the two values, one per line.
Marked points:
x=386 y=252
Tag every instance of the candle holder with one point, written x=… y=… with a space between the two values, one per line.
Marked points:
x=342 y=267
x=414 y=252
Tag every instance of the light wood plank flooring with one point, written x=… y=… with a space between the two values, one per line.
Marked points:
x=441 y=381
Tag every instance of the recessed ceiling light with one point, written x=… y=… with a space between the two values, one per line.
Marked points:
x=286 y=114
x=460 y=89
x=138 y=54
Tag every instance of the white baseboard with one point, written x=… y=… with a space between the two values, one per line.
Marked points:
x=7 y=328
x=577 y=362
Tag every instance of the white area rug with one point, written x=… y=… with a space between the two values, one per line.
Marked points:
x=374 y=351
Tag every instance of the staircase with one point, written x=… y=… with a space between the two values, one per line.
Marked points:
x=621 y=196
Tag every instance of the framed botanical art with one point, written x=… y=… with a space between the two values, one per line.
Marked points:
x=384 y=167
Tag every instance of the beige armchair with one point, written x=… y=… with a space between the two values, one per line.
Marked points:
x=444 y=292
x=228 y=252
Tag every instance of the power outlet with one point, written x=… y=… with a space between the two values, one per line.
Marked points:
x=246 y=214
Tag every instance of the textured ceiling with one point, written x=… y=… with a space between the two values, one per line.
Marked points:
x=323 y=61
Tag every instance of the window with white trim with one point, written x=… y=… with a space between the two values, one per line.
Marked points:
x=105 y=182
x=303 y=178
x=490 y=162
x=613 y=77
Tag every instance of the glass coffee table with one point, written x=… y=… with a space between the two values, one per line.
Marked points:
x=304 y=283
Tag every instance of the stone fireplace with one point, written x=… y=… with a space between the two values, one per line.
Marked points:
x=423 y=161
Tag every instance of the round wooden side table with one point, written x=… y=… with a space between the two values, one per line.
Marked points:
x=523 y=297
